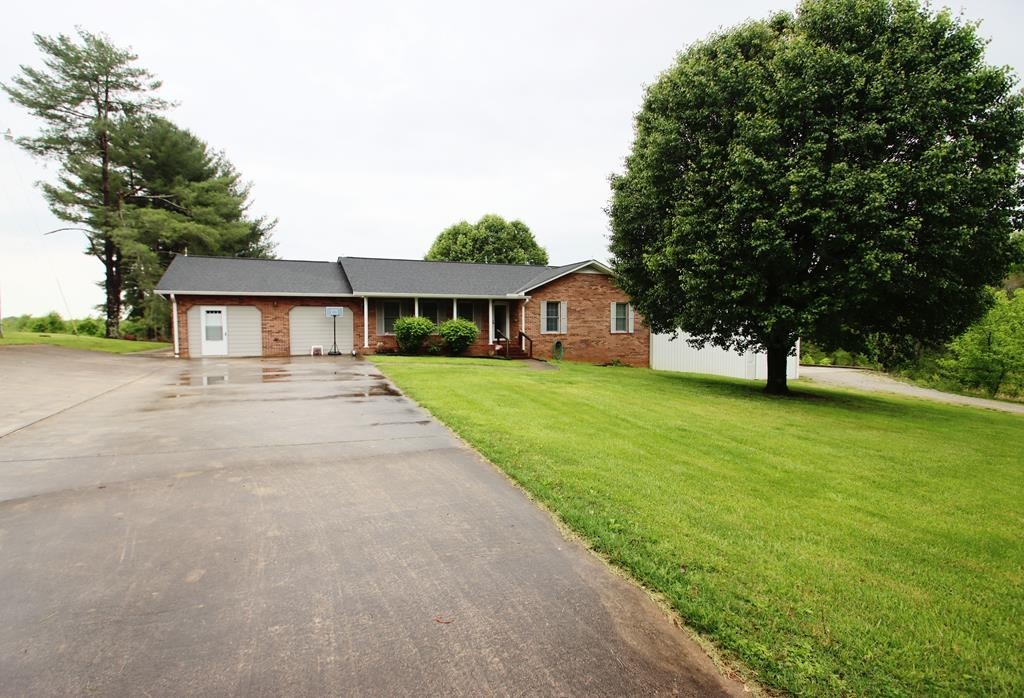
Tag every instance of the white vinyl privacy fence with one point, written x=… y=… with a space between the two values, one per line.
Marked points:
x=669 y=354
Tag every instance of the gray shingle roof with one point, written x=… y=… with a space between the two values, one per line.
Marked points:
x=401 y=276
x=199 y=274
x=353 y=276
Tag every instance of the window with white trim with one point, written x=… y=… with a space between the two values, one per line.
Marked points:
x=620 y=317
x=552 y=317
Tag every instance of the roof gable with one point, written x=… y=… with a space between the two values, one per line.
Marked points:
x=552 y=273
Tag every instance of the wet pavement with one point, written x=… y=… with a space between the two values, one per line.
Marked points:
x=298 y=527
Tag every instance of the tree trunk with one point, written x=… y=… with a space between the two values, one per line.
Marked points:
x=778 y=353
x=112 y=285
x=111 y=255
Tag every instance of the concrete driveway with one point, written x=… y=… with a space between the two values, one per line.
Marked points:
x=268 y=527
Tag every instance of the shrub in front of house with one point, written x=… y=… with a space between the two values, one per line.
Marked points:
x=458 y=334
x=411 y=332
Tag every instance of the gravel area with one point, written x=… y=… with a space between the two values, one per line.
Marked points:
x=875 y=382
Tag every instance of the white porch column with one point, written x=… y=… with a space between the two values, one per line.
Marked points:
x=455 y=308
x=416 y=307
x=366 y=322
x=490 y=321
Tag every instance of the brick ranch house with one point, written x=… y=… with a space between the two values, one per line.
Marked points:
x=227 y=306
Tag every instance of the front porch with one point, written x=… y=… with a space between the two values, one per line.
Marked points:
x=500 y=322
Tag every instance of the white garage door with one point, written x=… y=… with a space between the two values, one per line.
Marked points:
x=242 y=327
x=310 y=326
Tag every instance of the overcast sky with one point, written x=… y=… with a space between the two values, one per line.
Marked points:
x=367 y=128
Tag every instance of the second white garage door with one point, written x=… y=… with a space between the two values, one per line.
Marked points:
x=309 y=326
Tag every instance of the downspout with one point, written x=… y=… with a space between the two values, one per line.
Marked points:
x=174 y=324
x=366 y=323
x=522 y=322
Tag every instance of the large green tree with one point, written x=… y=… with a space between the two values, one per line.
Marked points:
x=181 y=197
x=492 y=240
x=85 y=93
x=847 y=170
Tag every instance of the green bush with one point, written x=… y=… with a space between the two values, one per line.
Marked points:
x=458 y=334
x=841 y=357
x=989 y=356
x=19 y=323
x=411 y=332
x=91 y=327
x=51 y=323
x=132 y=329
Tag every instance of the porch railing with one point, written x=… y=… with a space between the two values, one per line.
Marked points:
x=500 y=336
x=504 y=342
x=524 y=341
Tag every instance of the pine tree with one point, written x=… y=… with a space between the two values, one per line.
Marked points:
x=86 y=93
x=182 y=197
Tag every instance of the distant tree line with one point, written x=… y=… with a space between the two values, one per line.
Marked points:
x=53 y=323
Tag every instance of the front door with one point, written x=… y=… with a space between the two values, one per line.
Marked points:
x=214 y=330
x=500 y=319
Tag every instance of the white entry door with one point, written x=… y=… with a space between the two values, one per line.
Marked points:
x=215 y=330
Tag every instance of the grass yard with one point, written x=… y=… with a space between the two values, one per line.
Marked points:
x=74 y=341
x=835 y=543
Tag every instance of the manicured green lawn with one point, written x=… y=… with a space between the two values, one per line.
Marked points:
x=835 y=543
x=72 y=341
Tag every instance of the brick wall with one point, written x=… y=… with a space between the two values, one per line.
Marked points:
x=589 y=337
x=274 y=312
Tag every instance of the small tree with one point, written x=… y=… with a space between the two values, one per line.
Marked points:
x=849 y=170
x=458 y=334
x=411 y=332
x=990 y=354
x=491 y=240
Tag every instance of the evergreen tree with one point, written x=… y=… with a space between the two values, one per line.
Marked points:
x=180 y=197
x=87 y=91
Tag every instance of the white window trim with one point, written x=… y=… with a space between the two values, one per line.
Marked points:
x=563 y=317
x=629 y=318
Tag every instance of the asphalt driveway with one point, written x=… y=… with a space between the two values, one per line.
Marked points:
x=248 y=527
